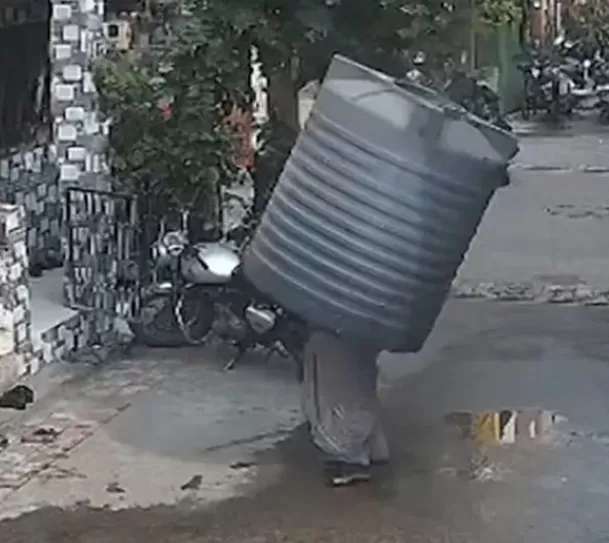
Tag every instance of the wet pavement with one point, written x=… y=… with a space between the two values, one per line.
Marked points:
x=499 y=432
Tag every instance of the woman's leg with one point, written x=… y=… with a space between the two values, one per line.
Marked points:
x=377 y=443
x=341 y=405
x=378 y=447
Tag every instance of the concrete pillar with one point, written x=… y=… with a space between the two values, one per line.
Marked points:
x=78 y=135
x=15 y=318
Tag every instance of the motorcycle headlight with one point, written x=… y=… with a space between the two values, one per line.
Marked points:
x=419 y=58
x=169 y=247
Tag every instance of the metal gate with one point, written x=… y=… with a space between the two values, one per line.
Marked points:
x=103 y=253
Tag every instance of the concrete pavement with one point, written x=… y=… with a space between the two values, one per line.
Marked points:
x=179 y=451
x=165 y=447
x=135 y=433
x=549 y=228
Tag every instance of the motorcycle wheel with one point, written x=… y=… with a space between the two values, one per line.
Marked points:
x=555 y=106
x=158 y=327
x=569 y=106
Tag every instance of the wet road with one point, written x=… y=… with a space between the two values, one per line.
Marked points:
x=450 y=481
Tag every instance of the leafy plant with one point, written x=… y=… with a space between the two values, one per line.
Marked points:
x=498 y=12
x=297 y=39
x=170 y=139
x=588 y=20
x=183 y=156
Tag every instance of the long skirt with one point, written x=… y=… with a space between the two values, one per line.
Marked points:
x=340 y=400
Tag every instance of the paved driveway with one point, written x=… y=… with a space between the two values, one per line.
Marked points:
x=551 y=225
x=179 y=452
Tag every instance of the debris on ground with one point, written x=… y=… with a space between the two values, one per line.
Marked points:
x=46 y=434
x=18 y=398
x=193 y=484
x=115 y=488
x=242 y=464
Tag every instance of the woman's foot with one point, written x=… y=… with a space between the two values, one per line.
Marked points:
x=379 y=450
x=344 y=474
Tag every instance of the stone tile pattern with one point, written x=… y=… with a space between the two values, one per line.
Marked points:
x=36 y=446
x=79 y=150
x=29 y=179
x=40 y=444
x=80 y=139
x=15 y=333
x=73 y=336
x=80 y=145
x=102 y=259
x=36 y=180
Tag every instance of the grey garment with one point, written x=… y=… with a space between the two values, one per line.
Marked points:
x=340 y=400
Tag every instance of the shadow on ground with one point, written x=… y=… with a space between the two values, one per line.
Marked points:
x=445 y=485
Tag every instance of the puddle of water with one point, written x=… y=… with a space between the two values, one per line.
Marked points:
x=503 y=427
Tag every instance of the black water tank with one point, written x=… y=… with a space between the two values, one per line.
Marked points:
x=376 y=207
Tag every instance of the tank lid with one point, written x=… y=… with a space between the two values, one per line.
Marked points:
x=502 y=141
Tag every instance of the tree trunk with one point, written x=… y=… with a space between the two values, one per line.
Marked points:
x=283 y=131
x=283 y=98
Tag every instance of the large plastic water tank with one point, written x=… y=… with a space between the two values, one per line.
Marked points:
x=376 y=207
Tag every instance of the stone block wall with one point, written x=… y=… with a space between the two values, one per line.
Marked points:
x=28 y=178
x=33 y=183
x=15 y=333
x=18 y=356
x=79 y=151
x=72 y=337
x=78 y=135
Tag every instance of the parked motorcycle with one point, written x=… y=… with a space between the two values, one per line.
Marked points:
x=551 y=81
x=418 y=72
x=600 y=74
x=603 y=105
x=201 y=292
x=462 y=88
x=534 y=98
x=477 y=97
x=581 y=64
x=549 y=88
x=558 y=89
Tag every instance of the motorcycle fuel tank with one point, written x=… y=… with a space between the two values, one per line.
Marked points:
x=210 y=264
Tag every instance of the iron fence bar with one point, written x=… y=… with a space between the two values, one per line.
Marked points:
x=106 y=282
x=114 y=195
